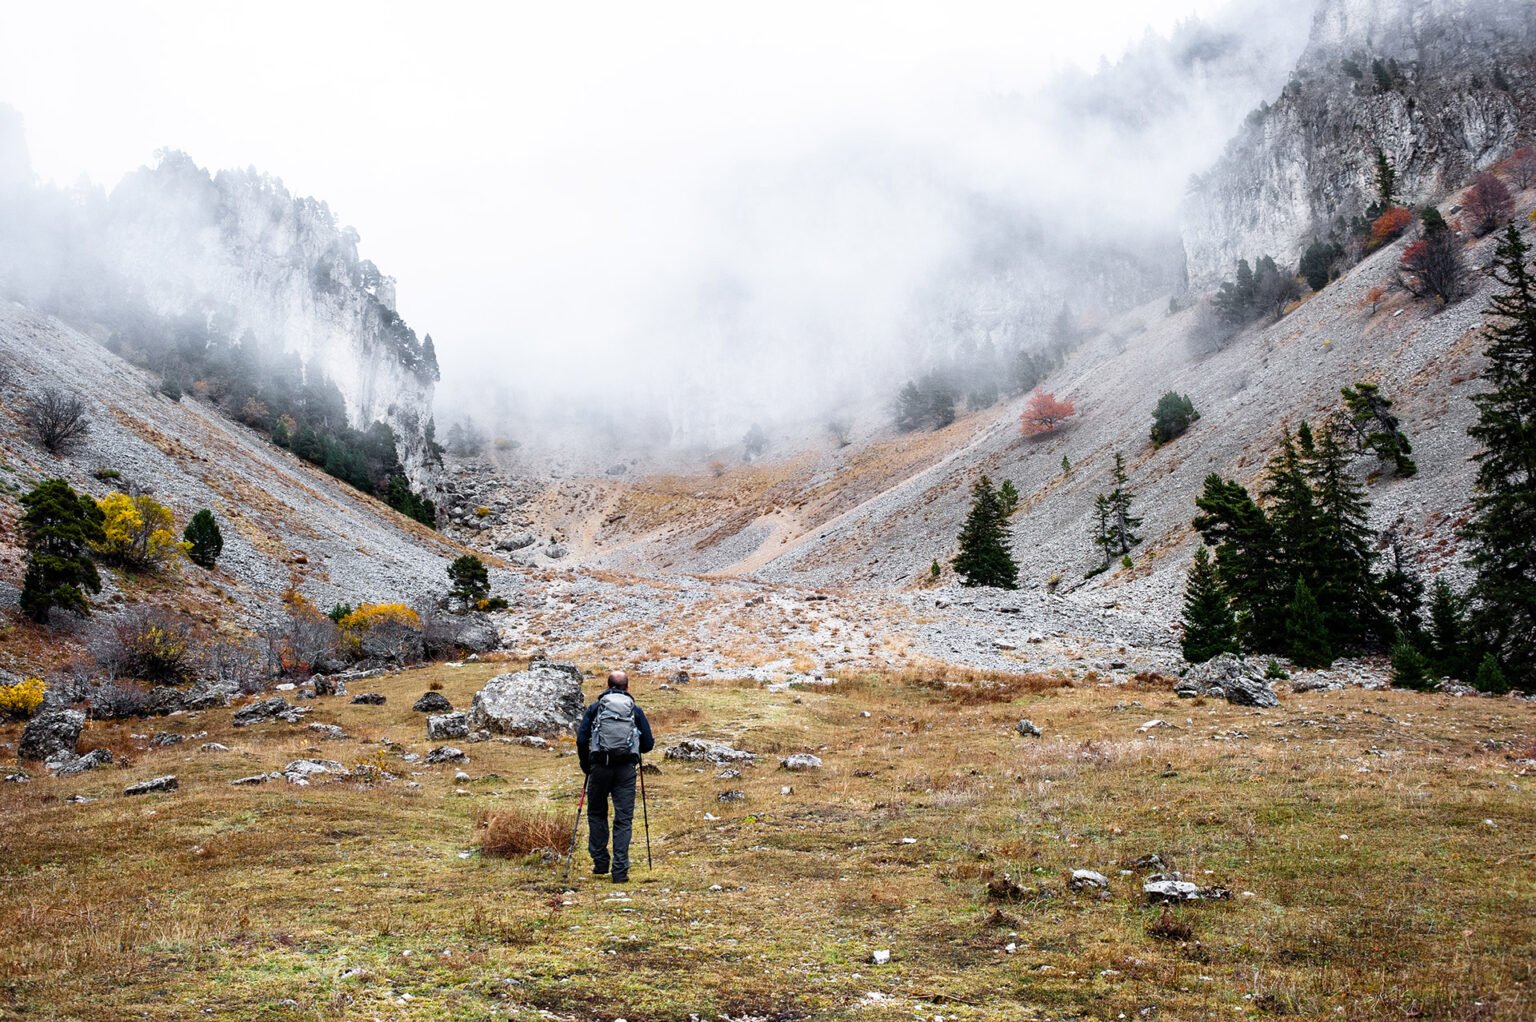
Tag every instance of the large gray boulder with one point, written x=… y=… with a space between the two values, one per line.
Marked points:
x=443 y=726
x=274 y=708
x=478 y=635
x=542 y=700
x=1231 y=678
x=49 y=732
x=702 y=750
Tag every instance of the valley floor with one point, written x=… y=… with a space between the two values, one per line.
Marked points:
x=1377 y=846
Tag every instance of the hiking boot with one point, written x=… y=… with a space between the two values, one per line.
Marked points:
x=621 y=878
x=598 y=871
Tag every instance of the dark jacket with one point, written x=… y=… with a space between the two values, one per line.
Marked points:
x=584 y=732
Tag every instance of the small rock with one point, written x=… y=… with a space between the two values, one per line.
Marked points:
x=728 y=775
x=301 y=770
x=368 y=699
x=1152 y=725
x=154 y=784
x=880 y=957
x=254 y=779
x=462 y=776
x=446 y=754
x=328 y=685
x=786 y=790
x=447 y=725
x=275 y=708
x=800 y=761
x=530 y=741
x=734 y=795
x=1088 y=880
x=433 y=702
x=1027 y=729
x=213 y=747
x=703 y=750
x=80 y=764
x=330 y=732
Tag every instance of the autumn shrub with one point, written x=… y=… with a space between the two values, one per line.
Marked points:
x=21 y=699
x=115 y=700
x=1487 y=204
x=510 y=832
x=1521 y=167
x=146 y=644
x=1388 y=227
x=392 y=631
x=1044 y=414
x=139 y=532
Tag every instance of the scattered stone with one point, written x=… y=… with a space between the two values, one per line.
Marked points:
x=163 y=700
x=17 y=777
x=68 y=767
x=1027 y=729
x=275 y=708
x=728 y=775
x=543 y=700
x=300 y=771
x=1170 y=891
x=446 y=754
x=254 y=779
x=1003 y=645
x=734 y=795
x=213 y=747
x=880 y=957
x=800 y=762
x=679 y=678
x=447 y=725
x=330 y=732
x=328 y=685
x=368 y=699
x=433 y=702
x=702 y=750
x=154 y=784
x=462 y=776
x=786 y=790
x=1088 y=880
x=166 y=738
x=1228 y=677
x=535 y=742
x=516 y=541
x=49 y=732
x=1152 y=725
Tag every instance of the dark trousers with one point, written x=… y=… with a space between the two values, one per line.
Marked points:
x=617 y=781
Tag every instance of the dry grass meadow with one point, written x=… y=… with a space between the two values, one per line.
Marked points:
x=1378 y=846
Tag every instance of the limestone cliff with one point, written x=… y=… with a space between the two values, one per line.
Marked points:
x=239 y=246
x=1443 y=88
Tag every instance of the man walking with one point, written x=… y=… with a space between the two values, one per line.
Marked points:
x=612 y=736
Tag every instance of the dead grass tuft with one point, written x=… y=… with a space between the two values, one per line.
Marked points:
x=1170 y=927
x=513 y=832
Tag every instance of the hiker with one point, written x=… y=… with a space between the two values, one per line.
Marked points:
x=612 y=736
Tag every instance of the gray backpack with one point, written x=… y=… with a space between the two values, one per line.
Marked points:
x=613 y=728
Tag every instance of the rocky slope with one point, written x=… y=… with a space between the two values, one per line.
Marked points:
x=1443 y=88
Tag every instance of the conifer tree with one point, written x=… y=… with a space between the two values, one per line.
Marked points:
x=205 y=540
x=1490 y=678
x=985 y=558
x=1306 y=633
x=471 y=582
x=1348 y=593
x=59 y=526
x=1209 y=627
x=1292 y=508
x=1103 y=537
x=1502 y=533
x=1450 y=644
x=1410 y=669
x=1122 y=524
x=1375 y=427
x=1008 y=497
x=1247 y=561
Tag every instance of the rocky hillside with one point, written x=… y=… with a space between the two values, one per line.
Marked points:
x=233 y=251
x=1442 y=88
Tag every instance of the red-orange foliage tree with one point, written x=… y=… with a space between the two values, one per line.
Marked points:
x=1388 y=226
x=1487 y=204
x=1521 y=167
x=1044 y=414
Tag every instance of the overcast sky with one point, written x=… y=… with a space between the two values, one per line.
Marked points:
x=511 y=163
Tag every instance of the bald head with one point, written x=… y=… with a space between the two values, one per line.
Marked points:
x=618 y=679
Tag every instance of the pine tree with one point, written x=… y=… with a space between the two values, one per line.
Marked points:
x=1125 y=523
x=1306 y=633
x=1292 y=508
x=1209 y=627
x=1008 y=498
x=1348 y=593
x=1103 y=535
x=1247 y=561
x=59 y=526
x=1490 y=678
x=985 y=558
x=1375 y=427
x=1409 y=667
x=207 y=542
x=471 y=581
x=1502 y=533
x=1450 y=644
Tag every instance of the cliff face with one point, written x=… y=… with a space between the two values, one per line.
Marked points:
x=1443 y=88
x=238 y=247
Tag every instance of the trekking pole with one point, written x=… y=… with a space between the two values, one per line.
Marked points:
x=645 y=816
x=575 y=826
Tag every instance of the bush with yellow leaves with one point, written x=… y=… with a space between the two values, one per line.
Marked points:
x=140 y=532
x=391 y=631
x=22 y=699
